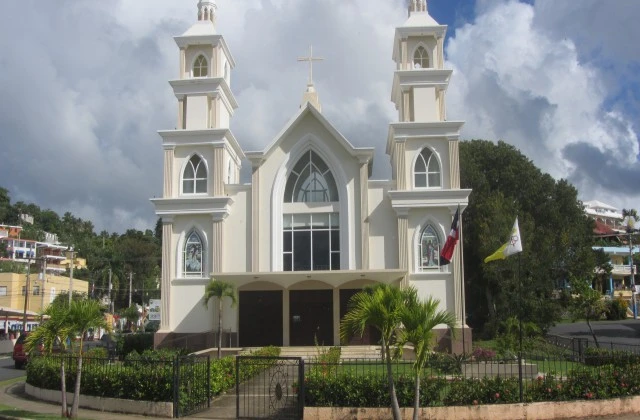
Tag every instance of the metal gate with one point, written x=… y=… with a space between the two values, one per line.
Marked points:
x=191 y=384
x=269 y=387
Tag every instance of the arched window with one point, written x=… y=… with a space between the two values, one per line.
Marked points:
x=421 y=58
x=427 y=170
x=429 y=249
x=192 y=255
x=310 y=181
x=194 y=178
x=200 y=67
x=311 y=239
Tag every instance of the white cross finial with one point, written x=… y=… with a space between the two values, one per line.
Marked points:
x=310 y=59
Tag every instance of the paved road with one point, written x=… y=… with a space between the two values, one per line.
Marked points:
x=8 y=371
x=625 y=333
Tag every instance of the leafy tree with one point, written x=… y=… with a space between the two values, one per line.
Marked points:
x=83 y=315
x=586 y=304
x=218 y=290
x=54 y=331
x=381 y=307
x=556 y=236
x=418 y=319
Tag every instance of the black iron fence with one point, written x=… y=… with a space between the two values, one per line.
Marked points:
x=554 y=373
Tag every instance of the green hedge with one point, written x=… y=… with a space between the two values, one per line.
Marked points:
x=144 y=377
x=594 y=356
x=371 y=391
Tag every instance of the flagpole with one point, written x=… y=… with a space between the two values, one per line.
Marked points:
x=520 y=329
x=462 y=303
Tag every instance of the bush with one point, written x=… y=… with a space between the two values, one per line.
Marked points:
x=616 y=309
x=147 y=377
x=594 y=356
x=483 y=355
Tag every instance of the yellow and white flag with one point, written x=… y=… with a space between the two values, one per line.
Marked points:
x=513 y=246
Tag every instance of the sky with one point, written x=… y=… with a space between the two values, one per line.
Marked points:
x=84 y=88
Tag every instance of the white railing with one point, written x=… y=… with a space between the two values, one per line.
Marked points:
x=623 y=269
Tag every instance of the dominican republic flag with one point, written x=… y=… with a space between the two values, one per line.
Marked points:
x=450 y=245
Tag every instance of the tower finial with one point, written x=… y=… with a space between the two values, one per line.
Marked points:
x=417 y=6
x=207 y=10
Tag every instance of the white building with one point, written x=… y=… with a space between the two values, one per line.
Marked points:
x=311 y=229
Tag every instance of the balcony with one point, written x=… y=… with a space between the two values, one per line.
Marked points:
x=622 y=269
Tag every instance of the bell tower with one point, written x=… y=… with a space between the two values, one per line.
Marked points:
x=423 y=149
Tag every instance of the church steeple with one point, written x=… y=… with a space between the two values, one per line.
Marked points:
x=311 y=95
x=207 y=10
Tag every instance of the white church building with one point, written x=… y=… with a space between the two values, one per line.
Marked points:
x=311 y=228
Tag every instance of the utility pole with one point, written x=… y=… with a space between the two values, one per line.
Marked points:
x=130 y=286
x=633 y=282
x=110 y=297
x=26 y=297
x=43 y=287
x=70 y=257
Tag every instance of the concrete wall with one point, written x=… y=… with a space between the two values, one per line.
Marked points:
x=539 y=411
x=146 y=408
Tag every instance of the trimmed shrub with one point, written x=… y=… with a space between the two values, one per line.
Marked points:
x=145 y=377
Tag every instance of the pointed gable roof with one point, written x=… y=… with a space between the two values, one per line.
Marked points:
x=364 y=154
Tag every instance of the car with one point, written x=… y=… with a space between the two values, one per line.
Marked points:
x=20 y=356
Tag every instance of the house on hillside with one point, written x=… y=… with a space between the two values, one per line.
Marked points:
x=312 y=228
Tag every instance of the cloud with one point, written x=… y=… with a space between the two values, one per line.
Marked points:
x=522 y=82
x=84 y=88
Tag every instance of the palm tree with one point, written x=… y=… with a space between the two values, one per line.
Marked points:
x=381 y=307
x=53 y=331
x=219 y=290
x=419 y=318
x=83 y=315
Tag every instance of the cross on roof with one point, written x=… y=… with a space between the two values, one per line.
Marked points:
x=310 y=59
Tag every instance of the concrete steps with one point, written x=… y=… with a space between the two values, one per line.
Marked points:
x=312 y=352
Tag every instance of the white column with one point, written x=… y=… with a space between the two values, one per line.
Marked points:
x=255 y=219
x=183 y=65
x=217 y=246
x=167 y=190
x=401 y=176
x=403 y=254
x=454 y=164
x=404 y=65
x=167 y=265
x=218 y=171
x=364 y=213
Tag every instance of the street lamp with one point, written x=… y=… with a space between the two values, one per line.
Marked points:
x=70 y=254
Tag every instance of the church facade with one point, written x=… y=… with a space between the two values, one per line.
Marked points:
x=310 y=229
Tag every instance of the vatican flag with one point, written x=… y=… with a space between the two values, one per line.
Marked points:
x=513 y=246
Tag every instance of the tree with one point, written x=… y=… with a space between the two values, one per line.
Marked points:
x=54 y=331
x=586 y=304
x=83 y=315
x=556 y=236
x=218 y=290
x=419 y=318
x=381 y=307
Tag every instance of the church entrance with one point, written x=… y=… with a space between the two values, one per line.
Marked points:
x=311 y=314
x=371 y=335
x=260 y=322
